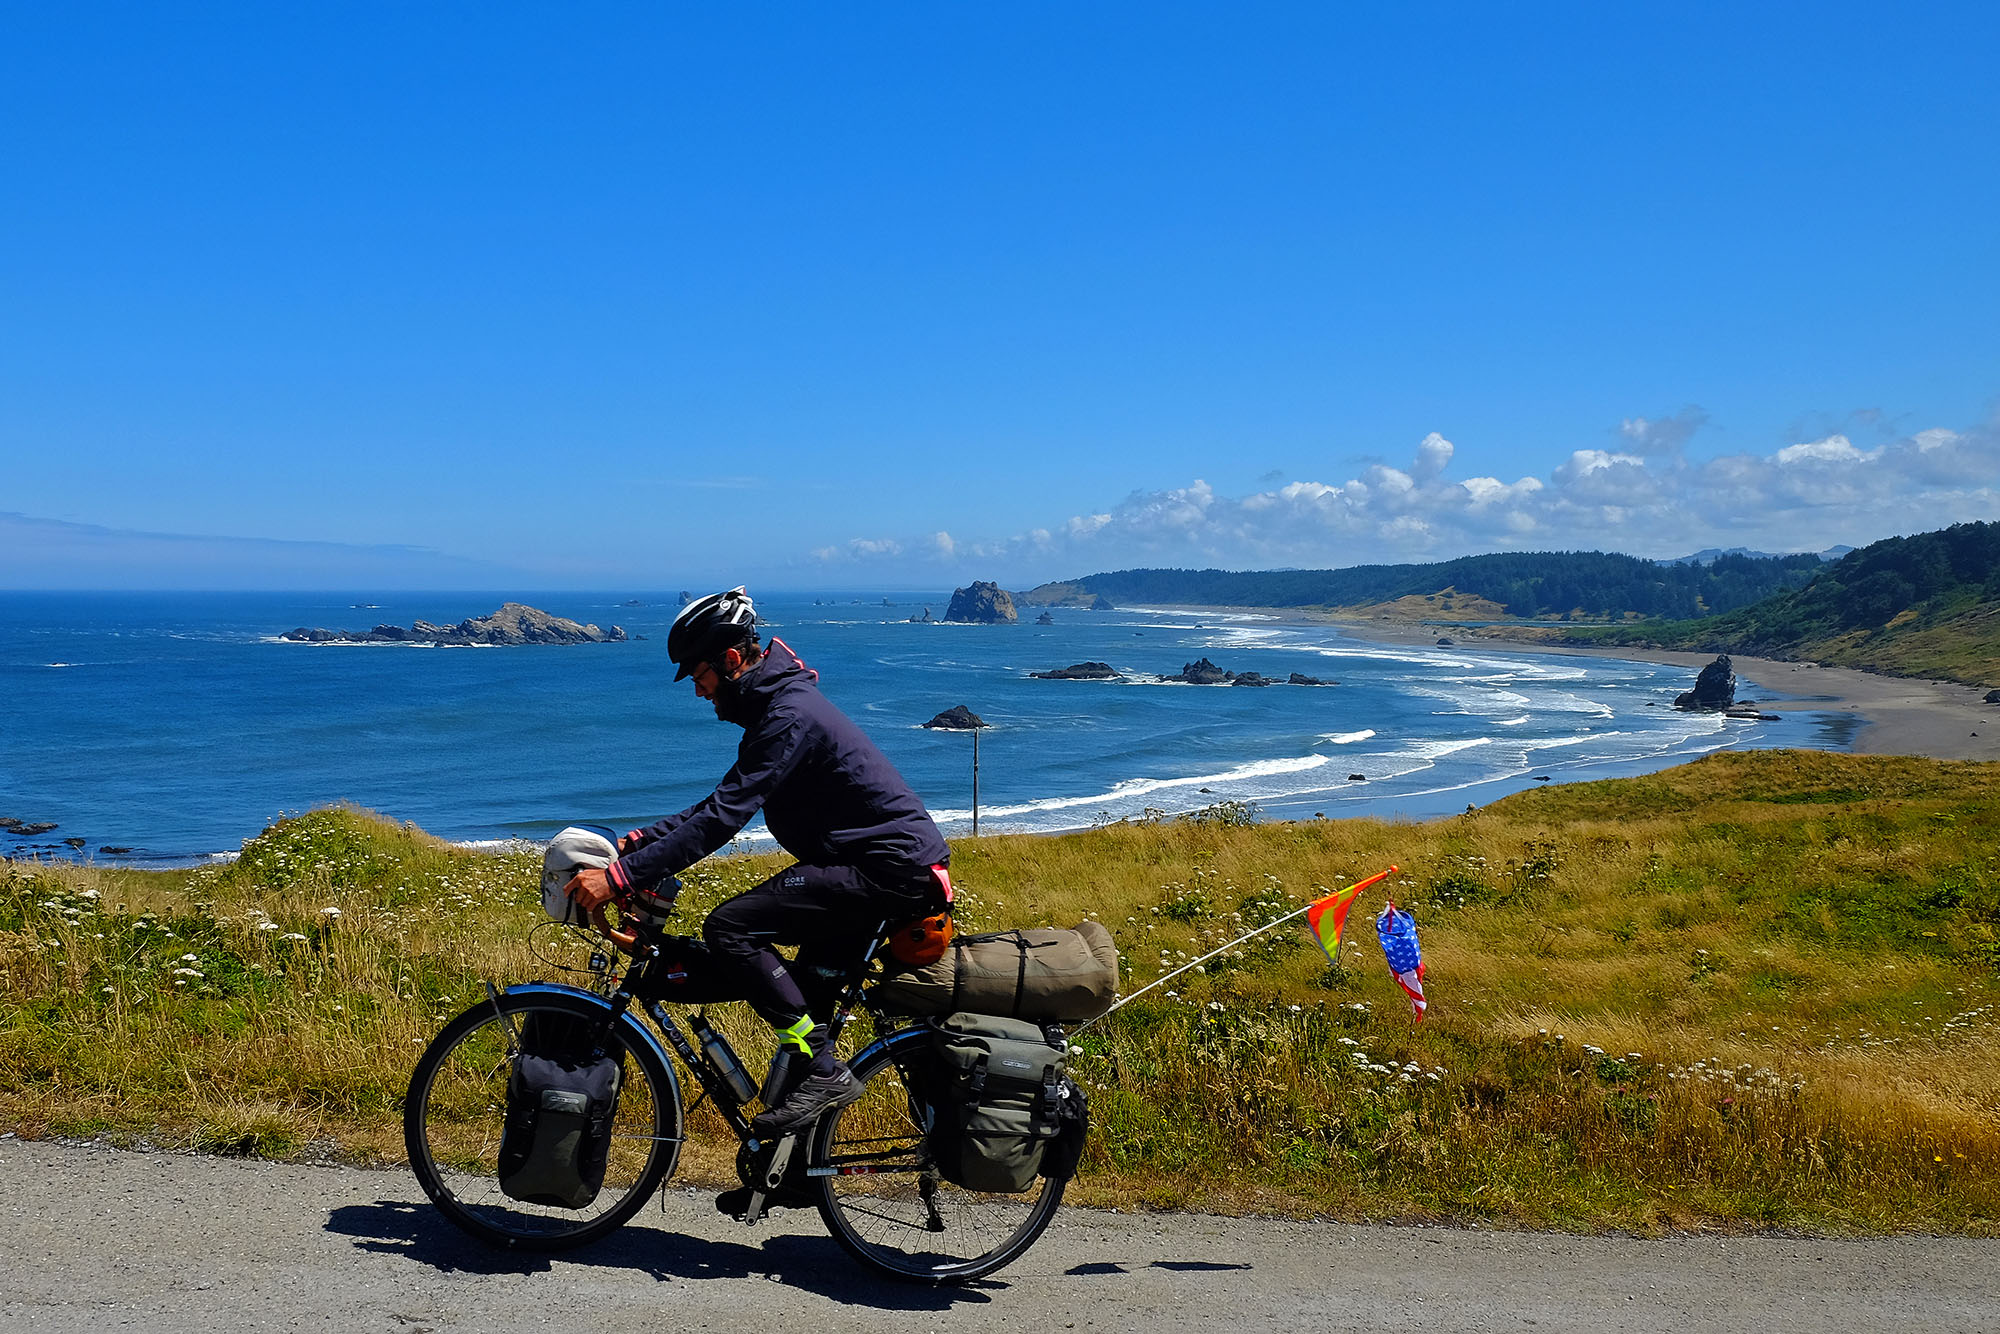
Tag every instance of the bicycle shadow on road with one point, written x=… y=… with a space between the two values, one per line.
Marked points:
x=418 y=1233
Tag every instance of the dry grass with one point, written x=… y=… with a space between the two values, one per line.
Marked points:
x=1755 y=990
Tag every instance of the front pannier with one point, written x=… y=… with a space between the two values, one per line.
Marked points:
x=997 y=1087
x=561 y=1100
x=1044 y=974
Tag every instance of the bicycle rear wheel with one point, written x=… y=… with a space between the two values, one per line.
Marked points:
x=456 y=1109
x=882 y=1197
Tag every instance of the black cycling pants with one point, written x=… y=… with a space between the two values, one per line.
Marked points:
x=832 y=913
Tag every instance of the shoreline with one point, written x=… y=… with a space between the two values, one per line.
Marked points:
x=1899 y=715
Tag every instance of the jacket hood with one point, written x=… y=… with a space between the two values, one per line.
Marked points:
x=745 y=699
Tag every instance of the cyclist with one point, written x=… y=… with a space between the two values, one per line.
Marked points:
x=867 y=849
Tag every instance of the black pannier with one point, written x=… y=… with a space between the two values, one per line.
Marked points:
x=1065 y=1151
x=561 y=1101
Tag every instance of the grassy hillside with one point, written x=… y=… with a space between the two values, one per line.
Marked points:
x=1927 y=605
x=1759 y=989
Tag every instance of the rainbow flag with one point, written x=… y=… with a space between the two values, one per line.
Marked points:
x=1328 y=916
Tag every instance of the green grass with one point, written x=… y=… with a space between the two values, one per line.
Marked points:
x=1758 y=990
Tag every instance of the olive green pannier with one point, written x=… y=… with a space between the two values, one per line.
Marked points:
x=1041 y=974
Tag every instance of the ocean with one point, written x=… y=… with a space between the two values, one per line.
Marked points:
x=175 y=726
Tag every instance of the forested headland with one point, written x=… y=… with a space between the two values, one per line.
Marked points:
x=1926 y=605
x=1557 y=585
x=1923 y=605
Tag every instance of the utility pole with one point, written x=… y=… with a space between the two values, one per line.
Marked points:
x=958 y=718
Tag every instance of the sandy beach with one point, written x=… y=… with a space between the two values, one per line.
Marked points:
x=1941 y=720
x=1898 y=715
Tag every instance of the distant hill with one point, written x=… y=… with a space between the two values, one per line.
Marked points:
x=1927 y=605
x=1560 y=585
x=1708 y=555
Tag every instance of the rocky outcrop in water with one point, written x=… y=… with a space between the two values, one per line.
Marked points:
x=957 y=718
x=1046 y=619
x=1202 y=672
x=1714 y=689
x=983 y=603
x=1079 y=671
x=1301 y=679
x=514 y=623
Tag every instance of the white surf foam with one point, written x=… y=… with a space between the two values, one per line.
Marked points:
x=1125 y=793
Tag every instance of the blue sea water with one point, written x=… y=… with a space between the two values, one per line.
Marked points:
x=178 y=725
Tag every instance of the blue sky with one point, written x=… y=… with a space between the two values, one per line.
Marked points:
x=901 y=296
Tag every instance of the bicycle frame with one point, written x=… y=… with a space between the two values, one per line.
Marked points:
x=713 y=1085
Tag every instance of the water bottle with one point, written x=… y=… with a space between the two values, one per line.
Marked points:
x=723 y=1058
x=775 y=1083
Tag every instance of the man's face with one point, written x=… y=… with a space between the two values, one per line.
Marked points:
x=705 y=680
x=708 y=676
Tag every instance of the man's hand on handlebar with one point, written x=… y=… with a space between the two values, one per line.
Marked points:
x=591 y=891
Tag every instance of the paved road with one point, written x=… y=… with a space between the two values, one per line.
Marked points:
x=94 y=1239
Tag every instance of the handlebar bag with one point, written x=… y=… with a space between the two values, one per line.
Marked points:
x=996 y=1089
x=1041 y=974
x=556 y=1138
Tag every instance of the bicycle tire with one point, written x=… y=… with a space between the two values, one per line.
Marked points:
x=882 y=1198
x=454 y=1111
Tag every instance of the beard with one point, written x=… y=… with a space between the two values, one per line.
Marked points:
x=732 y=703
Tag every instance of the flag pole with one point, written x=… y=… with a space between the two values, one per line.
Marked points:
x=1122 y=1001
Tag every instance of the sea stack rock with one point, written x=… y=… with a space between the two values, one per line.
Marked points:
x=1046 y=619
x=1079 y=671
x=957 y=718
x=982 y=604
x=1202 y=672
x=1714 y=690
x=514 y=623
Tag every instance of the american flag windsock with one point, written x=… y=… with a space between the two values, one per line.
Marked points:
x=1398 y=933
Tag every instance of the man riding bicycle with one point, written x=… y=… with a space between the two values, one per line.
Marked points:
x=868 y=851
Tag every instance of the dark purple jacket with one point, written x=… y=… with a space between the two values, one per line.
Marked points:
x=828 y=795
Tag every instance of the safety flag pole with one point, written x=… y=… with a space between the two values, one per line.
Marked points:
x=1338 y=901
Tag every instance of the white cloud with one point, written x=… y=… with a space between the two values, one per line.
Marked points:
x=1833 y=449
x=1645 y=497
x=1433 y=456
x=1661 y=435
x=859 y=548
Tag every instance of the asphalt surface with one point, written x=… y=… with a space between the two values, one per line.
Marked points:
x=94 y=1239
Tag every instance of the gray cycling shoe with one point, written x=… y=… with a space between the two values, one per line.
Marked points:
x=815 y=1096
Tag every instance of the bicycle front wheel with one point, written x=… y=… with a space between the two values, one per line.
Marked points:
x=882 y=1197
x=456 y=1110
